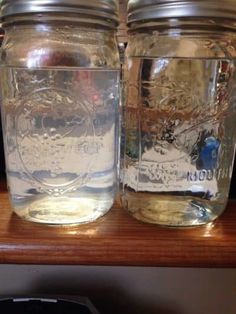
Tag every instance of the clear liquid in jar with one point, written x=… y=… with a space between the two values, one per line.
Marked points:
x=178 y=139
x=60 y=131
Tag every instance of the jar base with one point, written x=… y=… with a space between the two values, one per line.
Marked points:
x=172 y=211
x=64 y=210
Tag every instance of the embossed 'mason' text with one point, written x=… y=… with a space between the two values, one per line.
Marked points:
x=209 y=175
x=201 y=175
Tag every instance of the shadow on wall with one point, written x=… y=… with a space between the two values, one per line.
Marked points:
x=128 y=290
x=106 y=293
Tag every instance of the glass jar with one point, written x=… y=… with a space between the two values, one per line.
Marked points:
x=60 y=90
x=179 y=127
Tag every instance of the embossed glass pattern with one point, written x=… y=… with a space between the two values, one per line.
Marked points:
x=179 y=128
x=60 y=88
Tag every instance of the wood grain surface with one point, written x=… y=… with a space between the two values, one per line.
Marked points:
x=117 y=239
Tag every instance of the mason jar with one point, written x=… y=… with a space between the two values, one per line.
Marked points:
x=60 y=88
x=179 y=127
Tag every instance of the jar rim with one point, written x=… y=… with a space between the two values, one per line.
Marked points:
x=144 y=11
x=105 y=12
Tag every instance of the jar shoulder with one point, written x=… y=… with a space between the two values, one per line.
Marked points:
x=60 y=47
x=182 y=46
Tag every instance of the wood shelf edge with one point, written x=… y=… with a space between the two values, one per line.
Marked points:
x=117 y=240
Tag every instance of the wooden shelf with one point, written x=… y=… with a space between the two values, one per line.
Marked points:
x=117 y=239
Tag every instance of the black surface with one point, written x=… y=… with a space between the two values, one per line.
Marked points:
x=39 y=307
x=233 y=183
x=2 y=162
